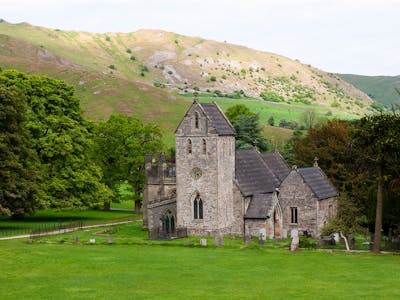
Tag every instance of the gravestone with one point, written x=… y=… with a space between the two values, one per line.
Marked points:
x=219 y=240
x=77 y=239
x=262 y=235
x=203 y=242
x=336 y=237
x=294 y=246
x=110 y=240
x=92 y=241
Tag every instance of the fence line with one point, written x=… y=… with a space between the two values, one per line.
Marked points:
x=55 y=228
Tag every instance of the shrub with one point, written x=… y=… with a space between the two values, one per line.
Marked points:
x=272 y=97
x=129 y=51
x=271 y=121
x=159 y=84
x=223 y=76
x=335 y=104
x=196 y=88
x=108 y=39
x=112 y=67
x=133 y=58
x=213 y=78
x=144 y=68
x=329 y=113
x=170 y=72
x=378 y=106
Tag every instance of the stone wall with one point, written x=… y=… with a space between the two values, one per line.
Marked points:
x=294 y=192
x=326 y=212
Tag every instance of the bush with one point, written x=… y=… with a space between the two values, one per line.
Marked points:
x=112 y=67
x=128 y=50
x=335 y=104
x=144 y=68
x=271 y=121
x=213 y=78
x=108 y=39
x=378 y=106
x=329 y=113
x=159 y=84
x=223 y=76
x=133 y=58
x=272 y=97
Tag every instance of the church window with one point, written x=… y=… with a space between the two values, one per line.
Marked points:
x=198 y=208
x=293 y=215
x=196 y=120
x=330 y=211
x=204 y=147
x=189 y=146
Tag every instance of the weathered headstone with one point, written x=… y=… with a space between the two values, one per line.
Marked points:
x=336 y=237
x=110 y=240
x=77 y=239
x=284 y=233
x=219 y=240
x=92 y=241
x=203 y=242
x=294 y=246
x=262 y=235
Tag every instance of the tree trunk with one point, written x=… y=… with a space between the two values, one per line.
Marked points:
x=378 y=218
x=137 y=206
x=345 y=241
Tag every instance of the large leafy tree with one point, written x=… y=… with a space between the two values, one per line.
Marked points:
x=62 y=141
x=377 y=142
x=18 y=161
x=121 y=144
x=248 y=130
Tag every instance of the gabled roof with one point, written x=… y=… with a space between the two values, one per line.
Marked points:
x=277 y=164
x=218 y=119
x=259 y=207
x=253 y=175
x=318 y=182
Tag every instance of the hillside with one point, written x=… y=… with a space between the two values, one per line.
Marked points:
x=146 y=73
x=378 y=88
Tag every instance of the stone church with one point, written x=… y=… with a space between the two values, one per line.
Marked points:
x=211 y=188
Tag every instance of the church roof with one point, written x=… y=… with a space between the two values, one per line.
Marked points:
x=277 y=164
x=218 y=119
x=259 y=207
x=318 y=182
x=252 y=173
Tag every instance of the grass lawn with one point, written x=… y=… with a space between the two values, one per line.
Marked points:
x=135 y=268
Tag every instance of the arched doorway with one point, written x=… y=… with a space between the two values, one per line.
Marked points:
x=277 y=223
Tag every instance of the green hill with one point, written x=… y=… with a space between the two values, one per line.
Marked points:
x=151 y=73
x=378 y=88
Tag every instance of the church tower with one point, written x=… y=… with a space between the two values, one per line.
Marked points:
x=205 y=170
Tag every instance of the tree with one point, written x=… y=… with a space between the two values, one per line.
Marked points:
x=271 y=121
x=62 y=140
x=309 y=118
x=248 y=130
x=121 y=144
x=19 y=176
x=377 y=142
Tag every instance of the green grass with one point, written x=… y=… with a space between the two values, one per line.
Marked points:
x=135 y=268
x=48 y=218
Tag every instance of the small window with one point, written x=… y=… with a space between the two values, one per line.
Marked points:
x=204 y=146
x=196 y=120
x=293 y=215
x=189 y=146
x=330 y=211
x=198 y=208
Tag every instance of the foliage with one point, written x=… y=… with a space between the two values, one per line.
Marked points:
x=271 y=96
x=377 y=142
x=19 y=170
x=378 y=106
x=271 y=121
x=62 y=140
x=121 y=144
x=248 y=129
x=112 y=67
x=213 y=78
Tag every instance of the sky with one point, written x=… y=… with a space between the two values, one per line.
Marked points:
x=339 y=36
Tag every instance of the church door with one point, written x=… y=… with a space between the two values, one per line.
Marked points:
x=277 y=224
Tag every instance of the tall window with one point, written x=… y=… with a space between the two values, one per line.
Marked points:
x=198 y=207
x=204 y=147
x=189 y=146
x=330 y=211
x=196 y=120
x=293 y=215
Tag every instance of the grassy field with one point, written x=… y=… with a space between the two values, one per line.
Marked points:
x=48 y=218
x=136 y=268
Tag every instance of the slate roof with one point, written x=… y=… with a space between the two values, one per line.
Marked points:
x=253 y=175
x=218 y=119
x=277 y=164
x=259 y=207
x=318 y=182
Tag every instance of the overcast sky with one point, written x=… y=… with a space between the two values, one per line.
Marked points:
x=343 y=36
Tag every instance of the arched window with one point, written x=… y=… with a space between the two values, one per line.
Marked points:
x=195 y=207
x=189 y=146
x=204 y=146
x=172 y=224
x=198 y=208
x=196 y=120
